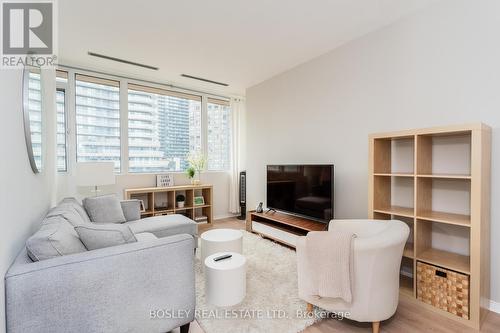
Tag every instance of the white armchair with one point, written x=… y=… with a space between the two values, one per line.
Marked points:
x=378 y=250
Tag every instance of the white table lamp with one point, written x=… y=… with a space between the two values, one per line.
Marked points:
x=95 y=174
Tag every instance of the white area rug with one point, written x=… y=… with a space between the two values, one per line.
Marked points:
x=271 y=295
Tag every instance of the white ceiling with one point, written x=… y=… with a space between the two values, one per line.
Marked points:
x=240 y=42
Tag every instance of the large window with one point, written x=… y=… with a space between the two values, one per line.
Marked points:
x=219 y=135
x=161 y=126
x=164 y=127
x=97 y=107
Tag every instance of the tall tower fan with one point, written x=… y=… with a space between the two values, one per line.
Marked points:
x=243 y=195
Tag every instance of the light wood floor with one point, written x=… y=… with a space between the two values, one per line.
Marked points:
x=410 y=317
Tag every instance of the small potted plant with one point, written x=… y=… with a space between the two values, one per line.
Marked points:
x=196 y=166
x=181 y=199
x=191 y=172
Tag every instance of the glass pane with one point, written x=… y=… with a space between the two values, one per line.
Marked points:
x=163 y=130
x=219 y=136
x=61 y=131
x=97 y=122
x=35 y=115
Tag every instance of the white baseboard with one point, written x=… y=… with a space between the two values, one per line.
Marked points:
x=494 y=306
x=221 y=217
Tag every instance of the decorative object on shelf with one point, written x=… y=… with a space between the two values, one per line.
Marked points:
x=162 y=206
x=199 y=201
x=453 y=295
x=164 y=180
x=196 y=166
x=190 y=172
x=180 y=198
x=95 y=174
x=143 y=207
x=201 y=219
x=259 y=208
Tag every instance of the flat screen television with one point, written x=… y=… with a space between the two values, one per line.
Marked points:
x=304 y=190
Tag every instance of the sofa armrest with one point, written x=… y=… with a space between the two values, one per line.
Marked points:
x=131 y=209
x=106 y=290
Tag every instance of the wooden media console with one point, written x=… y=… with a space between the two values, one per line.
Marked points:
x=281 y=227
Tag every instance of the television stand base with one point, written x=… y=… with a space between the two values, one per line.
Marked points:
x=281 y=227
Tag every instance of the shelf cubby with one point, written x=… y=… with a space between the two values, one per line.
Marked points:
x=394 y=156
x=409 y=250
x=394 y=196
x=446 y=155
x=148 y=201
x=164 y=202
x=444 y=200
x=406 y=277
x=443 y=245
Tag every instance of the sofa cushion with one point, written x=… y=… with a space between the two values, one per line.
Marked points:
x=68 y=212
x=104 y=209
x=131 y=209
x=78 y=207
x=55 y=238
x=96 y=236
x=166 y=225
x=145 y=236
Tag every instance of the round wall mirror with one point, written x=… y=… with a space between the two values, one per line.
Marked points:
x=33 y=116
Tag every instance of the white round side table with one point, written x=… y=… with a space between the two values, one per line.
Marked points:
x=220 y=240
x=225 y=280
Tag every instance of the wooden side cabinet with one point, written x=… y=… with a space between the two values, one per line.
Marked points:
x=162 y=201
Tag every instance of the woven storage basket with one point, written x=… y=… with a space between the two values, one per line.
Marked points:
x=444 y=289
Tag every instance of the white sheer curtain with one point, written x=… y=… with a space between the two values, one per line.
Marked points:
x=237 y=110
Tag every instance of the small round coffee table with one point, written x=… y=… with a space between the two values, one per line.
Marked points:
x=225 y=280
x=221 y=240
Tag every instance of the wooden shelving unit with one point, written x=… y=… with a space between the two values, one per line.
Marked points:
x=161 y=200
x=446 y=174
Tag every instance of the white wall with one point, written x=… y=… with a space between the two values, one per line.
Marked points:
x=24 y=196
x=438 y=67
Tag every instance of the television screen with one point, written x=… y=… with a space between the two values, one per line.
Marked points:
x=305 y=190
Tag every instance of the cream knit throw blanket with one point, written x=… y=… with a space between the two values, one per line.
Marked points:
x=330 y=257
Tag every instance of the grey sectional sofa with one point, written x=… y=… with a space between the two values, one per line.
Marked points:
x=114 y=289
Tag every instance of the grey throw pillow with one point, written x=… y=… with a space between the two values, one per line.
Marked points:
x=97 y=236
x=104 y=209
x=78 y=207
x=68 y=212
x=56 y=238
x=131 y=209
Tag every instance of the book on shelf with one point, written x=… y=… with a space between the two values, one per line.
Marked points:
x=201 y=218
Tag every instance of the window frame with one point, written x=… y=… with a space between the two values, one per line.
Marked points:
x=66 y=132
x=221 y=103
x=102 y=80
x=71 y=139
x=41 y=166
x=167 y=93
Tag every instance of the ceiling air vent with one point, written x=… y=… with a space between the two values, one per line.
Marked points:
x=122 y=60
x=204 y=80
